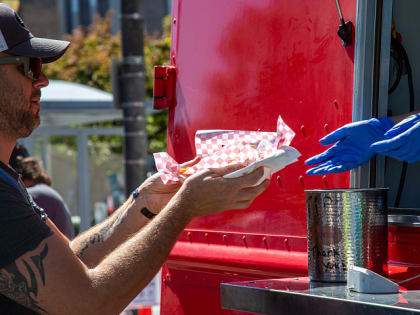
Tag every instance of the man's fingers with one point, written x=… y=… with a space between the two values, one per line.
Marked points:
x=227 y=169
x=249 y=179
x=249 y=193
x=191 y=162
x=241 y=205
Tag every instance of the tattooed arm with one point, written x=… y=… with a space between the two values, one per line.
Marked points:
x=20 y=288
x=51 y=279
x=93 y=245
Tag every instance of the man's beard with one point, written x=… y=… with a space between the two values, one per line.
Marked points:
x=16 y=117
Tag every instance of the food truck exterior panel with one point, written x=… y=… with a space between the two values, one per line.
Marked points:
x=238 y=65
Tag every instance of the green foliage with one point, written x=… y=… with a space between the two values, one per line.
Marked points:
x=88 y=61
x=157 y=52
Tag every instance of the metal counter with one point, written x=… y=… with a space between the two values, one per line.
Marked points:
x=301 y=296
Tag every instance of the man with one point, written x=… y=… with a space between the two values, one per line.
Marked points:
x=38 y=184
x=103 y=269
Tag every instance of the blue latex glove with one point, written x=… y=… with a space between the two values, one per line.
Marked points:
x=351 y=148
x=402 y=141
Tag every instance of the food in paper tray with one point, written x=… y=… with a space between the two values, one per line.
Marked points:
x=183 y=170
x=218 y=148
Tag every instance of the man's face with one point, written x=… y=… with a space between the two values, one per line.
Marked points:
x=19 y=101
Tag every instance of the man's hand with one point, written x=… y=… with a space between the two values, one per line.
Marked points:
x=351 y=148
x=207 y=192
x=156 y=194
x=402 y=141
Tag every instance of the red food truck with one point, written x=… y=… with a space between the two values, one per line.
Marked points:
x=240 y=64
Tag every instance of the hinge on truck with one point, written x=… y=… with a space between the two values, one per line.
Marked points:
x=164 y=87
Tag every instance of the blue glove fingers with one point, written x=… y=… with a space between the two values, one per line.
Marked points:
x=330 y=167
x=402 y=153
x=320 y=171
x=319 y=168
x=402 y=126
x=339 y=169
x=322 y=157
x=334 y=136
x=385 y=146
x=336 y=169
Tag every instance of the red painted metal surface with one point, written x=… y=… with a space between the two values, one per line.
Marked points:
x=164 y=87
x=239 y=65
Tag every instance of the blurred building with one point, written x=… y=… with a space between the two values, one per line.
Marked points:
x=54 y=18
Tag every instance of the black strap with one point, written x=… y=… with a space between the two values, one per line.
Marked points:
x=147 y=213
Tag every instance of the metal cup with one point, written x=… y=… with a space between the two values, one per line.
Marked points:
x=346 y=227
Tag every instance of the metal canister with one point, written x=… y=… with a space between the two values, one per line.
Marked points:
x=346 y=227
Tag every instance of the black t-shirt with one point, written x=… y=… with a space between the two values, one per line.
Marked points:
x=22 y=228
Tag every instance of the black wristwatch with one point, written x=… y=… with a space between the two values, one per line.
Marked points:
x=146 y=212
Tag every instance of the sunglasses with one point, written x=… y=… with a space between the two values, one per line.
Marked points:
x=31 y=67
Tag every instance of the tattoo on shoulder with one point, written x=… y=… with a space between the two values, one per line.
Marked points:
x=16 y=286
x=103 y=233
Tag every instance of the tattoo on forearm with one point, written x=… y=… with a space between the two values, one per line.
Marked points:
x=103 y=233
x=37 y=260
x=14 y=284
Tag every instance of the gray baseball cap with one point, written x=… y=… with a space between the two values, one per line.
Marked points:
x=16 y=39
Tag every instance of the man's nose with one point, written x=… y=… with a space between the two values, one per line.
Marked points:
x=41 y=82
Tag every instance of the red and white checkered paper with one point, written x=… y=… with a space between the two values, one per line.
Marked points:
x=218 y=148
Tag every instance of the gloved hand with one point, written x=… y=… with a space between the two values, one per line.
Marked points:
x=402 y=141
x=351 y=148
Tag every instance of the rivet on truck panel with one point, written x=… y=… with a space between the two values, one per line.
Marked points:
x=335 y=104
x=189 y=236
x=302 y=128
x=206 y=237
x=286 y=243
x=265 y=242
x=244 y=239
x=279 y=182
x=325 y=181
x=301 y=181
x=327 y=128
x=225 y=239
